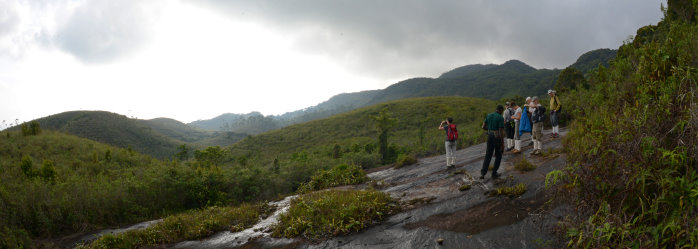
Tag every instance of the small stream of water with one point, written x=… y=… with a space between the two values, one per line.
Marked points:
x=229 y=239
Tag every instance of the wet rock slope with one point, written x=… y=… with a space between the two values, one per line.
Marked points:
x=438 y=214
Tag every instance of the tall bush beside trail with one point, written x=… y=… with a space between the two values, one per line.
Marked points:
x=632 y=146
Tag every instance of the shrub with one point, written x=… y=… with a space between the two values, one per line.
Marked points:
x=48 y=171
x=14 y=238
x=404 y=160
x=330 y=213
x=27 y=166
x=339 y=175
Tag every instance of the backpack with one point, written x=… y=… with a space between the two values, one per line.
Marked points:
x=508 y=114
x=452 y=132
x=540 y=115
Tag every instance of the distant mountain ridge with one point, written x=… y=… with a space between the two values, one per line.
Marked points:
x=485 y=81
x=158 y=137
x=490 y=81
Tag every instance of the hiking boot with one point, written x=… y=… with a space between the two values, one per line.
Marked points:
x=495 y=175
x=530 y=144
x=450 y=166
x=515 y=151
x=482 y=177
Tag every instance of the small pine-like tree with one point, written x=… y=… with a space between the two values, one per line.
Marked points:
x=385 y=122
x=336 y=151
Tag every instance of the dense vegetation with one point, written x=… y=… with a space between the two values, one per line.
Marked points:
x=330 y=213
x=339 y=175
x=192 y=225
x=53 y=184
x=632 y=146
x=156 y=137
x=352 y=137
x=593 y=59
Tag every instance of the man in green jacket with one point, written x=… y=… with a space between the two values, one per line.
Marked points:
x=495 y=141
x=555 y=107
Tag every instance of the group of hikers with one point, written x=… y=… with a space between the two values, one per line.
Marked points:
x=505 y=127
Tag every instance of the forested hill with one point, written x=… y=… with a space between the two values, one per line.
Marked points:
x=157 y=137
x=494 y=82
x=483 y=81
x=592 y=59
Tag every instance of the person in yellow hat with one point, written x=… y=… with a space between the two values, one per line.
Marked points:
x=555 y=108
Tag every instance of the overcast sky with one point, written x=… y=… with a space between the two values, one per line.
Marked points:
x=196 y=59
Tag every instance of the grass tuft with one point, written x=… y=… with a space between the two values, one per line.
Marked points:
x=339 y=175
x=404 y=160
x=524 y=165
x=191 y=225
x=464 y=187
x=512 y=192
x=330 y=213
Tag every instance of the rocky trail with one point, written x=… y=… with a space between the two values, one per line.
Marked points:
x=436 y=213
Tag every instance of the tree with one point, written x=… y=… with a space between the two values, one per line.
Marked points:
x=384 y=122
x=183 y=152
x=48 y=171
x=570 y=78
x=107 y=155
x=336 y=151
x=31 y=129
x=211 y=156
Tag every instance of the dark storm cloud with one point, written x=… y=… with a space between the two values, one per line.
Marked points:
x=391 y=38
x=102 y=30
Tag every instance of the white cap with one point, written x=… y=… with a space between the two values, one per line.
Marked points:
x=550 y=91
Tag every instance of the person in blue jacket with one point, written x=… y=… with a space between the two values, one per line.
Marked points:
x=525 y=124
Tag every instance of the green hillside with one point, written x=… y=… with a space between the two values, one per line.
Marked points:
x=592 y=59
x=633 y=146
x=513 y=78
x=509 y=79
x=465 y=71
x=157 y=137
x=54 y=184
x=415 y=131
